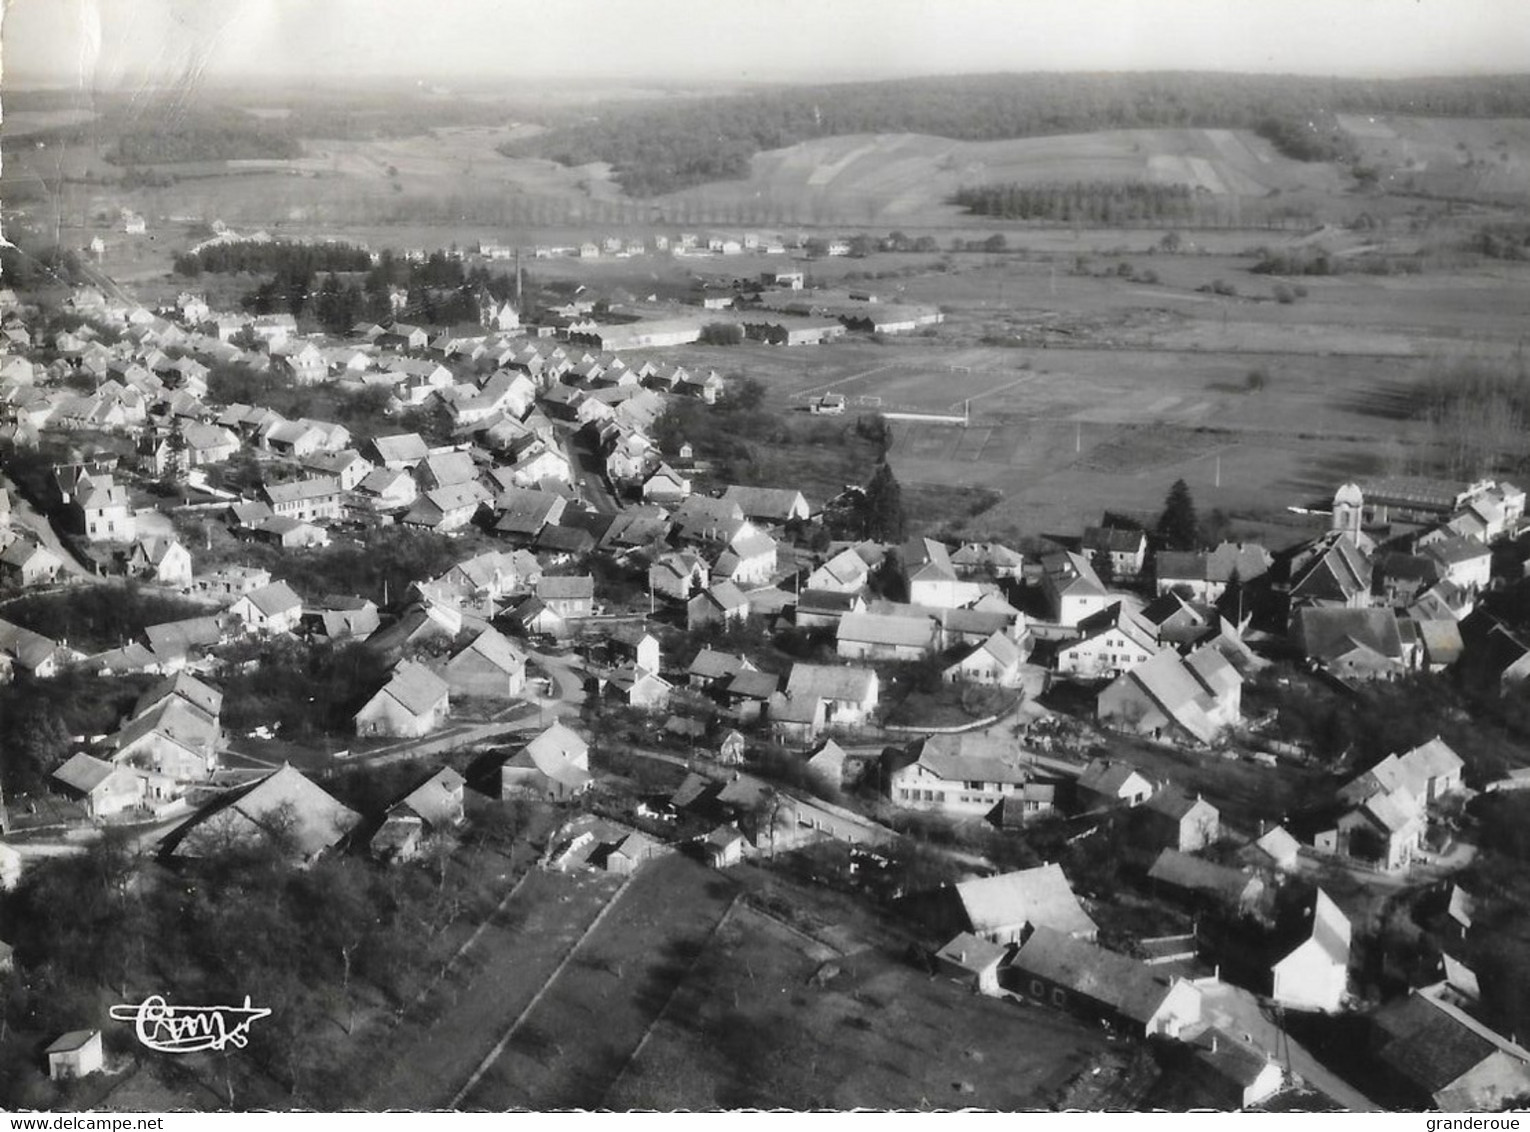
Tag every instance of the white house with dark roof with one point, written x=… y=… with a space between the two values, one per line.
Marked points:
x=414 y=702
x=435 y=805
x=1007 y=908
x=1110 y=642
x=878 y=636
x=846 y=572
x=555 y=765
x=272 y=608
x=996 y=662
x=963 y=774
x=1071 y=588
x=1064 y=971
x=849 y=695
x=1190 y=699
x=285 y=804
x=774 y=505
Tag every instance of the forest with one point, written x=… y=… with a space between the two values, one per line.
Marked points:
x=660 y=147
x=1095 y=202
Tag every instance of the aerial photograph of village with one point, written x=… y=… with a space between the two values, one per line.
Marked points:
x=853 y=555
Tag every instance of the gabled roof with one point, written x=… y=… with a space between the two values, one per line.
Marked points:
x=492 y=645
x=1175 y=804
x=1433 y=1043
x=1108 y=777
x=1040 y=897
x=83 y=772
x=185 y=686
x=1115 y=540
x=437 y=800
x=1279 y=845
x=1121 y=618
x=1131 y=988
x=888 y=630
x=274 y=598
x=408 y=447
x=830 y=682
x=969 y=757
x=416 y=688
x=565 y=587
x=318 y=820
x=773 y=503
x=1194 y=874
x=1327 y=634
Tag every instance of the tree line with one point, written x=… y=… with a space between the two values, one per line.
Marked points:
x=1094 y=202
x=660 y=146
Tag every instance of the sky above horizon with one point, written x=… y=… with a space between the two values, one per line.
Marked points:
x=103 y=44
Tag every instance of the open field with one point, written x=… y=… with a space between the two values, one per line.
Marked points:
x=908 y=178
x=1458 y=157
x=423 y=1062
x=575 y=1042
x=748 y=1028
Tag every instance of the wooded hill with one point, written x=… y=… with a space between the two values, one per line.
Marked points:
x=659 y=147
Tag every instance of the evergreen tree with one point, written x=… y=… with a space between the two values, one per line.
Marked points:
x=1178 y=527
x=885 y=519
x=1103 y=567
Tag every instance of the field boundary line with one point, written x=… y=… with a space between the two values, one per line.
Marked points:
x=499 y=1046
x=472 y=939
x=841 y=381
x=669 y=1000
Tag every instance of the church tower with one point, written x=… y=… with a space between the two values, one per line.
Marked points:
x=1348 y=510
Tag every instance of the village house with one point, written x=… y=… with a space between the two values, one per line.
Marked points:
x=1063 y=971
x=172 y=733
x=1071 y=588
x=432 y=807
x=554 y=766
x=27 y=563
x=721 y=603
x=931 y=579
x=678 y=576
x=161 y=560
x=771 y=505
x=310 y=500
x=847 y=572
x=105 y=510
x=1011 y=907
x=1172 y=819
x=488 y=666
x=385 y=489
x=401 y=452
x=996 y=663
x=1439 y=1055
x=973 y=961
x=1206 y=576
x=289 y=534
x=447 y=509
x=414 y=702
x=1315 y=975
x=959 y=774
x=1180 y=699
x=1201 y=882
x=567 y=595
x=1110 y=642
x=285 y=803
x=877 y=636
x=271 y=609
x=849 y=695
x=102 y=788
x=1125 y=549
x=1105 y=784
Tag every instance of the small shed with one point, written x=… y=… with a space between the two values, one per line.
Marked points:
x=973 y=960
x=76 y=1054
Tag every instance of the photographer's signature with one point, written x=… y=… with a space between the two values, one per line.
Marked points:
x=189 y=1029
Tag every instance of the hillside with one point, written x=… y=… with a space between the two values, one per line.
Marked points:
x=910 y=178
x=656 y=148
